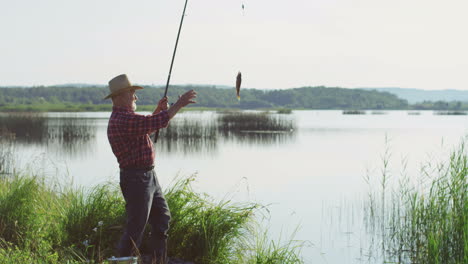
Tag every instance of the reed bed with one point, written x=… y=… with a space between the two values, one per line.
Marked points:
x=38 y=128
x=67 y=130
x=187 y=128
x=26 y=127
x=379 y=113
x=254 y=121
x=284 y=111
x=353 y=112
x=427 y=223
x=256 y=127
x=187 y=135
x=44 y=224
x=451 y=113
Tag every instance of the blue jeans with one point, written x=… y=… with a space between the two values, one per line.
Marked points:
x=145 y=203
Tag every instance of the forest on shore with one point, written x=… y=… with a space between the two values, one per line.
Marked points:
x=90 y=98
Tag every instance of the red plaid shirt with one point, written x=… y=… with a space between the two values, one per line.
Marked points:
x=128 y=135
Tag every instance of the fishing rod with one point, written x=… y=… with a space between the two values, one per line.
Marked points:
x=172 y=62
x=175 y=49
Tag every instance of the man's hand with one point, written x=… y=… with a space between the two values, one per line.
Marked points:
x=162 y=105
x=187 y=98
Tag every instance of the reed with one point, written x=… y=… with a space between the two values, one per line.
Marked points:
x=426 y=223
x=188 y=135
x=67 y=130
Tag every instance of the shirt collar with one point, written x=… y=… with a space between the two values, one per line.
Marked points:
x=122 y=109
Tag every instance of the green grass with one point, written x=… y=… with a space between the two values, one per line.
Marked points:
x=427 y=223
x=44 y=224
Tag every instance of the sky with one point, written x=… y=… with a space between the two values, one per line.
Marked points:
x=275 y=44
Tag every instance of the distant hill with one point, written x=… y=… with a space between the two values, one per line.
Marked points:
x=419 y=95
x=209 y=96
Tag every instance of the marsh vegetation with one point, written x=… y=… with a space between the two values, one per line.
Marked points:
x=43 y=224
x=422 y=221
x=354 y=112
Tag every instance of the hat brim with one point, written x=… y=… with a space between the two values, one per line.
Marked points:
x=133 y=87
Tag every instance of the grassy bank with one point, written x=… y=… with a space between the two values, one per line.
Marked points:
x=427 y=222
x=43 y=221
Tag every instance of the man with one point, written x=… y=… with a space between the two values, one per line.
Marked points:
x=128 y=135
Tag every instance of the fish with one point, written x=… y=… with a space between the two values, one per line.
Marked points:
x=238 y=84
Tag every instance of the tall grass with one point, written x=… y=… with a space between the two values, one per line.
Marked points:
x=202 y=230
x=69 y=225
x=426 y=223
x=258 y=248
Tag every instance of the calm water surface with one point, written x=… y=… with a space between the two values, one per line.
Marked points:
x=312 y=177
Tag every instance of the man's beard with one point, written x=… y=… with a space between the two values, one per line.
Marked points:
x=134 y=106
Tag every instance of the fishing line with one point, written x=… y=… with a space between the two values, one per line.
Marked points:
x=239 y=74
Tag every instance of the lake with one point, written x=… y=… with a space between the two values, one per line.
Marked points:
x=313 y=169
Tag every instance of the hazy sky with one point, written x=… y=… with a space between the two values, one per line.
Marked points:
x=276 y=44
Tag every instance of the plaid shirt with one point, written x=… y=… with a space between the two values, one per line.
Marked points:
x=128 y=135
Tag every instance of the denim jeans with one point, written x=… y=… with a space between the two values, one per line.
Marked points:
x=145 y=203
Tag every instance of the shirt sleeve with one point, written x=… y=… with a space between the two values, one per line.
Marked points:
x=137 y=124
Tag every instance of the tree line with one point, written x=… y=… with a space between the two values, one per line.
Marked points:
x=319 y=97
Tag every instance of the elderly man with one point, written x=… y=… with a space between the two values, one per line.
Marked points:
x=128 y=135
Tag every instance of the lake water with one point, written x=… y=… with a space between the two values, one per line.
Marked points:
x=309 y=167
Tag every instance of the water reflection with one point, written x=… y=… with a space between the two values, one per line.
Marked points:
x=64 y=136
x=201 y=133
x=72 y=136
x=187 y=133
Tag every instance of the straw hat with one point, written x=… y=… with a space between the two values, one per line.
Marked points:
x=119 y=85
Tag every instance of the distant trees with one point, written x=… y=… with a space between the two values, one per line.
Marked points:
x=209 y=96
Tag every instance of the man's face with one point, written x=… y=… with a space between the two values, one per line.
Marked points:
x=130 y=99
